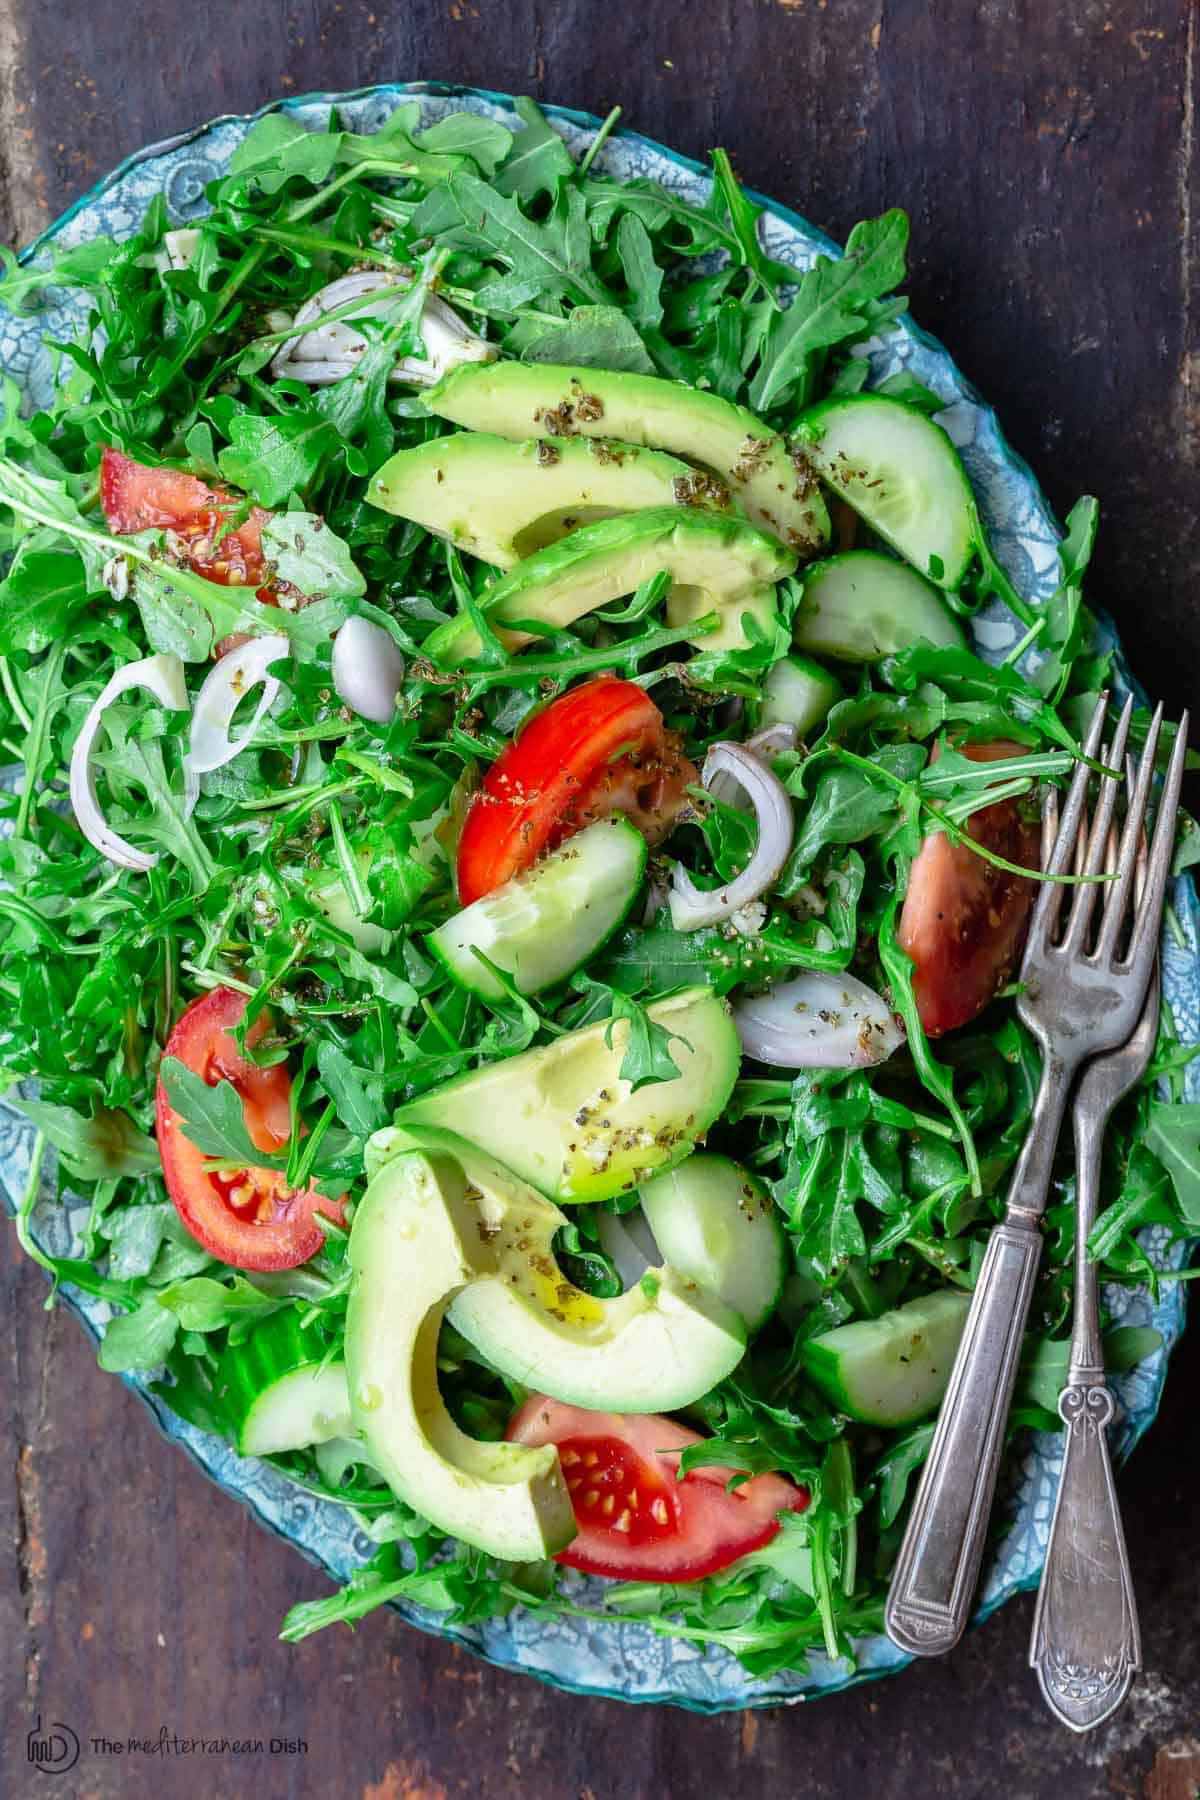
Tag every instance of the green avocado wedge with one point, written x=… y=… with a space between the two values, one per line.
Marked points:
x=521 y=400
x=717 y=565
x=415 y=1244
x=501 y=500
x=658 y=1347
x=565 y=1120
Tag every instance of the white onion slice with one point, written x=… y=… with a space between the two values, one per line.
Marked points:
x=628 y=1242
x=225 y=687
x=691 y=908
x=367 y=669
x=327 y=354
x=771 y=741
x=162 y=676
x=818 y=1021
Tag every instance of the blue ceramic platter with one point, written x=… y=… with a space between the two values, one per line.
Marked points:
x=626 y=1661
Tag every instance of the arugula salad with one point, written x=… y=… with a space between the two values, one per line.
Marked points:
x=513 y=890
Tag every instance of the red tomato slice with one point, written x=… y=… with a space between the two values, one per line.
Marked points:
x=637 y=1521
x=599 y=749
x=250 y=1219
x=963 y=921
x=136 y=497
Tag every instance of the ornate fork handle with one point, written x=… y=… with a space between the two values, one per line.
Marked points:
x=1085 y=1636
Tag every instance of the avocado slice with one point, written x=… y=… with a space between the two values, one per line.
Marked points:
x=516 y=399
x=417 y=1241
x=563 y=1118
x=501 y=500
x=660 y=1346
x=717 y=565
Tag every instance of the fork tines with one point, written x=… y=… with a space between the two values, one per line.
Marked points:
x=1065 y=858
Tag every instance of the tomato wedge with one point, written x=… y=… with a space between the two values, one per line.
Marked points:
x=601 y=748
x=637 y=1521
x=136 y=497
x=963 y=922
x=250 y=1219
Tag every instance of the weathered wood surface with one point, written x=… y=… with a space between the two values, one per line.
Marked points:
x=1046 y=155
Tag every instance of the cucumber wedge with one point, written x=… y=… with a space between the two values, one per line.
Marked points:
x=279 y=1393
x=863 y=606
x=502 y=500
x=901 y=473
x=800 y=693
x=542 y=925
x=894 y=1369
x=713 y=1221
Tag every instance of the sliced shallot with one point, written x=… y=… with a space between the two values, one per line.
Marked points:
x=330 y=352
x=162 y=676
x=367 y=669
x=225 y=687
x=691 y=907
x=771 y=741
x=818 y=1021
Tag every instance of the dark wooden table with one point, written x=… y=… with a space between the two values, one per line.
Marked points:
x=1046 y=155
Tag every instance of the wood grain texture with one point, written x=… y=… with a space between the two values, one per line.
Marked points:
x=1046 y=155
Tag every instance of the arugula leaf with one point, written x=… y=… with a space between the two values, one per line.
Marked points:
x=204 y=1304
x=548 y=259
x=484 y=140
x=38 y=597
x=743 y=220
x=832 y=303
x=273 y=458
x=1173 y=1134
x=140 y=1339
x=358 y=1096
x=647 y=1056
x=213 y=1116
x=311 y=557
x=101 y=1148
x=277 y=148
x=77 y=267
x=592 y=337
x=643 y=277
x=538 y=161
x=896 y=1467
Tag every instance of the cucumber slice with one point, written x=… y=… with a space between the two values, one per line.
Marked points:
x=863 y=606
x=892 y=1370
x=800 y=693
x=542 y=925
x=278 y=1392
x=901 y=473
x=716 y=1224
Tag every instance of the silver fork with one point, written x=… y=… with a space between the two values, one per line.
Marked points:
x=1085 y=1644
x=1078 y=1001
